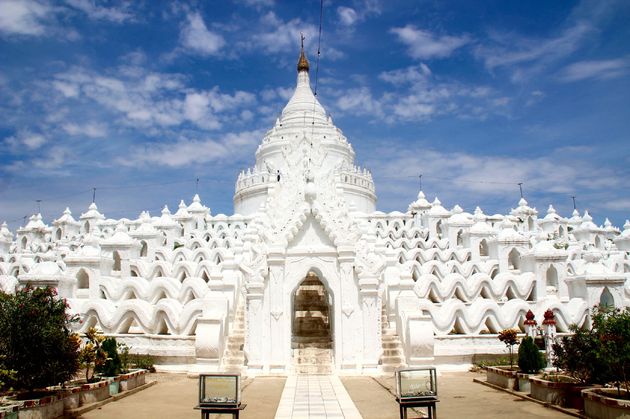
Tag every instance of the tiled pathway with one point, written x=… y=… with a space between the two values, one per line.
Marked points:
x=316 y=397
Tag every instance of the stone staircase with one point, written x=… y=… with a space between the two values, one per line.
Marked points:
x=233 y=357
x=393 y=356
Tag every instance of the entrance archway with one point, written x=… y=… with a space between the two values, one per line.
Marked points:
x=312 y=326
x=312 y=310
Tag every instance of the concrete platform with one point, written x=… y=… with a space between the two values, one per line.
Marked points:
x=460 y=397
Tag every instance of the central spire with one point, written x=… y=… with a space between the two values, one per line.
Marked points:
x=302 y=62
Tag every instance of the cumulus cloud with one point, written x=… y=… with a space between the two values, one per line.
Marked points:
x=602 y=69
x=148 y=99
x=186 y=151
x=26 y=140
x=470 y=179
x=423 y=44
x=416 y=95
x=196 y=38
x=23 y=17
x=347 y=15
x=280 y=36
x=90 y=129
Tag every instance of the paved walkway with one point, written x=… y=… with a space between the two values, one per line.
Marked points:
x=267 y=397
x=316 y=397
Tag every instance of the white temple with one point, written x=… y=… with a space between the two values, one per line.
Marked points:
x=307 y=276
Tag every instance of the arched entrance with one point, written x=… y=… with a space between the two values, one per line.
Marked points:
x=312 y=326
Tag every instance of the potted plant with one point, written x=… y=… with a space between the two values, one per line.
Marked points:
x=504 y=376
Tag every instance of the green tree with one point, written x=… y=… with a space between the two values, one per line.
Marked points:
x=509 y=338
x=36 y=339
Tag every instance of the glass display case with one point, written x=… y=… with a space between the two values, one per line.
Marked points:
x=416 y=383
x=219 y=390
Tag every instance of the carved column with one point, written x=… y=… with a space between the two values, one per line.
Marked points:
x=372 y=346
x=347 y=348
x=255 y=324
x=279 y=346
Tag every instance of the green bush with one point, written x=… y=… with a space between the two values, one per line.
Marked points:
x=35 y=339
x=530 y=359
x=613 y=329
x=112 y=364
x=143 y=361
x=578 y=356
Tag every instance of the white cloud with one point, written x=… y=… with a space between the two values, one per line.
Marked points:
x=196 y=38
x=347 y=15
x=281 y=36
x=112 y=14
x=423 y=44
x=185 y=151
x=149 y=100
x=510 y=50
x=23 y=17
x=413 y=75
x=603 y=69
x=90 y=129
x=471 y=179
x=360 y=102
x=258 y=4
x=25 y=139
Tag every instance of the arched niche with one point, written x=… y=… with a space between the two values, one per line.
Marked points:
x=551 y=280
x=83 y=280
x=144 y=248
x=514 y=259
x=116 y=257
x=606 y=299
x=483 y=248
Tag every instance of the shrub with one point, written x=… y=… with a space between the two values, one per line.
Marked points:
x=613 y=329
x=91 y=354
x=508 y=336
x=530 y=359
x=578 y=356
x=112 y=364
x=123 y=352
x=35 y=338
x=143 y=361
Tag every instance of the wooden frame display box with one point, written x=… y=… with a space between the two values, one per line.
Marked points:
x=416 y=383
x=219 y=390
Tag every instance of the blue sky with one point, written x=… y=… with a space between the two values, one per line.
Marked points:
x=139 y=99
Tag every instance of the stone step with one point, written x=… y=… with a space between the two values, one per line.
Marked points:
x=232 y=345
x=389 y=360
x=391 y=344
x=234 y=361
x=313 y=369
x=392 y=368
x=392 y=352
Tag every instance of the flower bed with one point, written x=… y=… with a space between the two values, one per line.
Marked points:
x=94 y=392
x=132 y=380
x=46 y=407
x=563 y=391
x=602 y=404
x=502 y=376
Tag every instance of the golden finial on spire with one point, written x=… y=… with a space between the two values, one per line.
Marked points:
x=302 y=62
